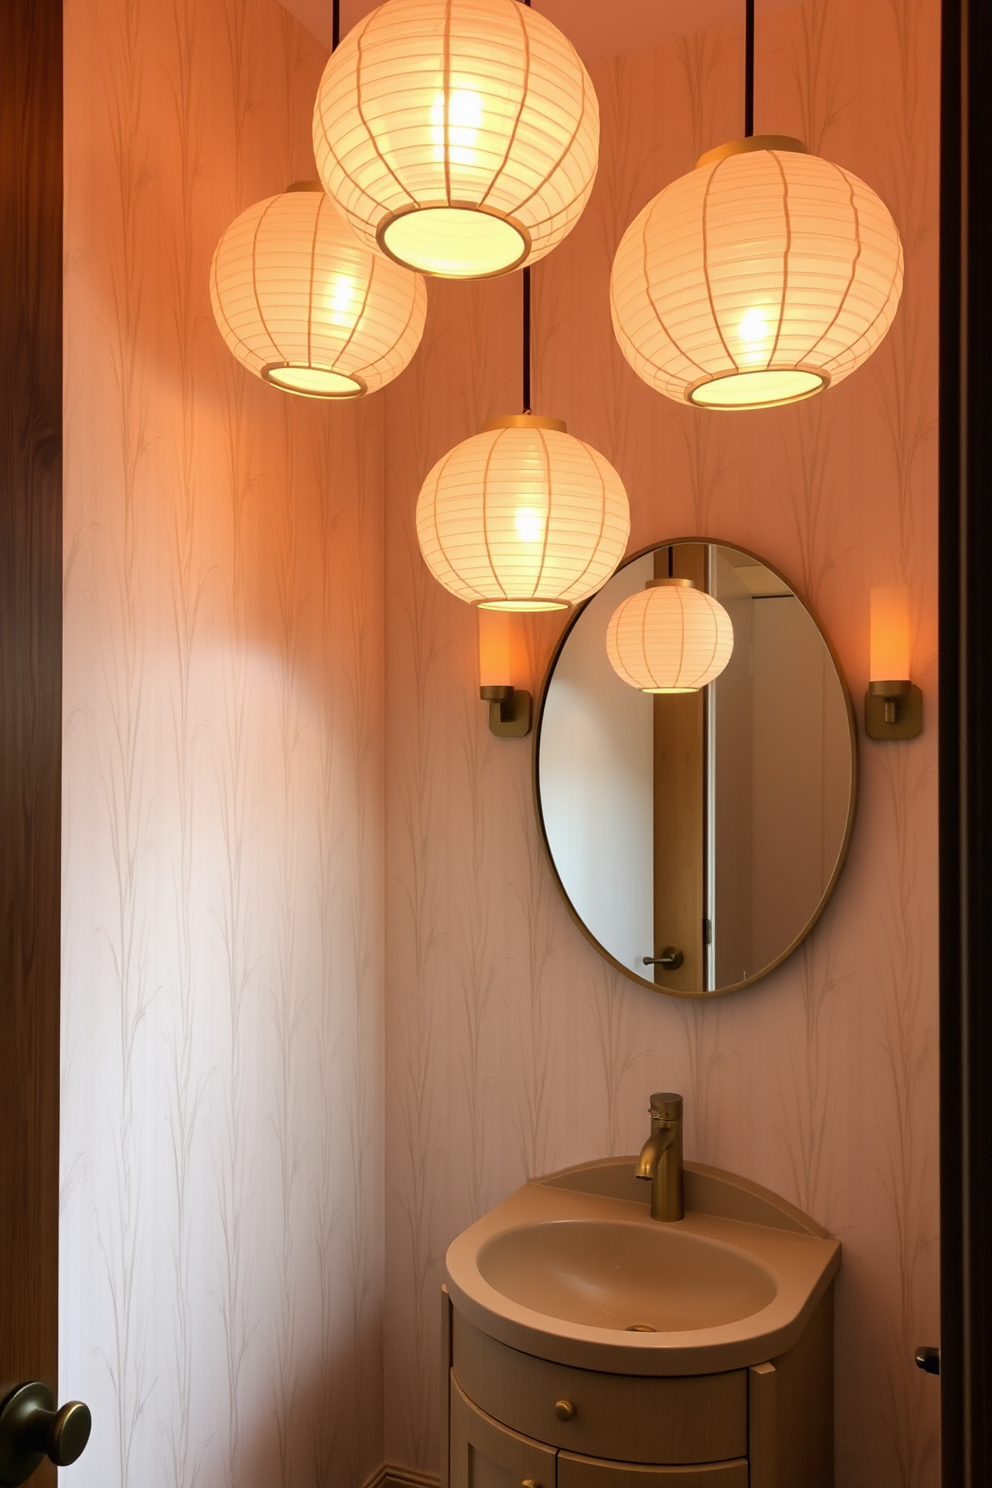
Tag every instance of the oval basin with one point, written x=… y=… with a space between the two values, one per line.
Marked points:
x=624 y=1276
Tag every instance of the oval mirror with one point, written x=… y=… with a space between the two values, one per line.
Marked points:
x=696 y=834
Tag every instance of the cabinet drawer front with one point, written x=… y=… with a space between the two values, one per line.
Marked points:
x=589 y=1472
x=688 y=1419
x=486 y=1455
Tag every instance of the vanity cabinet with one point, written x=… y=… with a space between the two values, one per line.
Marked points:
x=486 y=1454
x=517 y=1421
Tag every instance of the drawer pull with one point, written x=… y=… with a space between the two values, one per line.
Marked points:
x=530 y=1483
x=564 y=1410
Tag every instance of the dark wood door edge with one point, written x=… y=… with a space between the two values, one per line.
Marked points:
x=966 y=748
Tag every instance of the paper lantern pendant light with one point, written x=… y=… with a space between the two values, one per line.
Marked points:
x=305 y=306
x=523 y=517
x=460 y=137
x=669 y=637
x=762 y=277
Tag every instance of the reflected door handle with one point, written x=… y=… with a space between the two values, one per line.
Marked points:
x=671 y=958
x=31 y=1429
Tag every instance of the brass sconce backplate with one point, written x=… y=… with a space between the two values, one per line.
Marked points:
x=509 y=711
x=892 y=714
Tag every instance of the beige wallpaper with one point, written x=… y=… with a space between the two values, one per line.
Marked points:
x=222 y=1217
x=323 y=1005
x=511 y=1047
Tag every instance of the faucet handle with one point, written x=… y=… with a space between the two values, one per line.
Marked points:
x=666 y=1105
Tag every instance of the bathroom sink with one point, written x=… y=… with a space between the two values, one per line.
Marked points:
x=572 y=1268
x=607 y=1274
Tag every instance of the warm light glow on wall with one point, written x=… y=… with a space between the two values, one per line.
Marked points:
x=761 y=277
x=495 y=649
x=890 y=633
x=669 y=637
x=303 y=305
x=459 y=136
x=523 y=517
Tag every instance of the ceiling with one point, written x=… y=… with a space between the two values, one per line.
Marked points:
x=597 y=28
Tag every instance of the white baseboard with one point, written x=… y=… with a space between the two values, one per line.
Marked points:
x=391 y=1476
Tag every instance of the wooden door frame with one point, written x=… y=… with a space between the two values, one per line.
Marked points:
x=30 y=682
x=965 y=746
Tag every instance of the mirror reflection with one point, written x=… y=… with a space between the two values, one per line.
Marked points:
x=696 y=828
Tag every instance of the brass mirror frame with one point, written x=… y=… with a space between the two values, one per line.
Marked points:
x=855 y=778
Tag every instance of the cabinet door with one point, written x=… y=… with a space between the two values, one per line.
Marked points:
x=487 y=1455
x=594 y=1472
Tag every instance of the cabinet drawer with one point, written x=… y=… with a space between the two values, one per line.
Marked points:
x=589 y=1472
x=688 y=1419
x=486 y=1455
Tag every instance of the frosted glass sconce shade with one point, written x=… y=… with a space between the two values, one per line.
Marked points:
x=669 y=637
x=761 y=277
x=889 y=654
x=305 y=306
x=495 y=648
x=522 y=517
x=461 y=137
x=509 y=706
x=893 y=704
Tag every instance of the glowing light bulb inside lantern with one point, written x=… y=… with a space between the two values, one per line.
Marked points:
x=753 y=335
x=529 y=523
x=464 y=122
x=339 y=300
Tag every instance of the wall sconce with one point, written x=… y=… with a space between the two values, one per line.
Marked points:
x=893 y=705
x=509 y=706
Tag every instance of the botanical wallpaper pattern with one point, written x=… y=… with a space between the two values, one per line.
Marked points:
x=323 y=1004
x=512 y=1048
x=222 y=1209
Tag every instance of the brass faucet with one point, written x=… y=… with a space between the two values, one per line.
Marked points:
x=660 y=1162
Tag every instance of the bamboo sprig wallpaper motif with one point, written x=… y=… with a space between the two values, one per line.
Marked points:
x=815 y=1082
x=322 y=1002
x=222 y=1227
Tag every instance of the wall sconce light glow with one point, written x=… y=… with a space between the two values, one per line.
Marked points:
x=670 y=637
x=509 y=706
x=893 y=705
x=523 y=517
x=305 y=306
x=889 y=644
x=460 y=137
x=762 y=277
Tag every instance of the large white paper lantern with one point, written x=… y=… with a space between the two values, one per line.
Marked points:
x=761 y=277
x=523 y=517
x=669 y=637
x=305 y=306
x=461 y=137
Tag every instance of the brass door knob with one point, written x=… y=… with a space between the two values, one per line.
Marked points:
x=31 y=1429
x=564 y=1410
x=671 y=958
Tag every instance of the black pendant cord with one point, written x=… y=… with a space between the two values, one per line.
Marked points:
x=335 y=24
x=748 y=68
x=526 y=327
x=526 y=339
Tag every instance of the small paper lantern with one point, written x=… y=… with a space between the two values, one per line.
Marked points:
x=761 y=277
x=459 y=136
x=303 y=305
x=669 y=637
x=522 y=517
